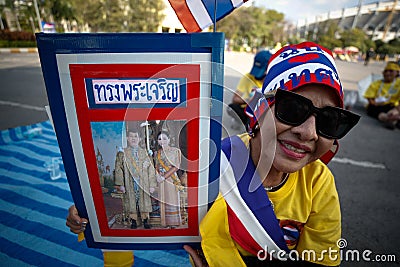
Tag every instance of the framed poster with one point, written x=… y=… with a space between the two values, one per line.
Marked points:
x=138 y=121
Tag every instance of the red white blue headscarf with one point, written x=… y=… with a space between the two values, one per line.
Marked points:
x=292 y=67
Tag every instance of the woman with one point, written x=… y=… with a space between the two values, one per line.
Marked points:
x=167 y=162
x=277 y=197
x=278 y=201
x=384 y=95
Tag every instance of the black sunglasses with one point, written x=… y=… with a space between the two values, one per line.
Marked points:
x=331 y=122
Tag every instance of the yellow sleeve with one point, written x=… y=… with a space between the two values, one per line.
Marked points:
x=246 y=85
x=323 y=227
x=217 y=244
x=372 y=90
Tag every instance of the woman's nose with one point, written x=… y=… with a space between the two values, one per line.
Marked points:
x=307 y=130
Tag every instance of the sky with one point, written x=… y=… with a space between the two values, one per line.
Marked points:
x=295 y=10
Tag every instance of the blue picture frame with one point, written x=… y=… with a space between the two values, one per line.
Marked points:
x=69 y=59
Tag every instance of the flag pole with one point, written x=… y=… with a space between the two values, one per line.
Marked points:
x=215 y=15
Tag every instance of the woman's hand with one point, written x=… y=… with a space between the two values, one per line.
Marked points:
x=197 y=256
x=75 y=223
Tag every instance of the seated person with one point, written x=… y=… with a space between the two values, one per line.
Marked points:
x=384 y=95
x=247 y=84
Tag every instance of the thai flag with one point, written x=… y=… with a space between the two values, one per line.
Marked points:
x=196 y=15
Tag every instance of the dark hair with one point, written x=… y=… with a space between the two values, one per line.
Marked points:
x=134 y=130
x=158 y=135
x=163 y=132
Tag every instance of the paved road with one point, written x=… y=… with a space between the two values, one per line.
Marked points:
x=22 y=91
x=366 y=168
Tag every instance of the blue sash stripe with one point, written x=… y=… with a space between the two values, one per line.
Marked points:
x=257 y=201
x=223 y=8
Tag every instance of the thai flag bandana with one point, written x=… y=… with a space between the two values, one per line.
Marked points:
x=291 y=67
x=252 y=221
x=196 y=15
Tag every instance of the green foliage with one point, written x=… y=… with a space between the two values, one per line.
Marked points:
x=7 y=44
x=16 y=39
x=390 y=48
x=252 y=26
x=120 y=16
x=354 y=37
x=99 y=15
x=16 y=36
x=144 y=15
x=327 y=37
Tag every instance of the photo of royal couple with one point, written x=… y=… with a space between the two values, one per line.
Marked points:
x=141 y=166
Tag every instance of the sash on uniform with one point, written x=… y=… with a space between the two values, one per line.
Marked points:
x=252 y=221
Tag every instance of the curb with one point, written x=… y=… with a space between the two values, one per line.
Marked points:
x=18 y=50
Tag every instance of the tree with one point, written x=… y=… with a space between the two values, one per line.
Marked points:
x=120 y=15
x=252 y=26
x=390 y=48
x=328 y=38
x=144 y=15
x=354 y=37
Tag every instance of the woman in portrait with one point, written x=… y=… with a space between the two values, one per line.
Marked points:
x=167 y=163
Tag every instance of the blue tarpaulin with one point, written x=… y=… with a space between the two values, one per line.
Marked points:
x=34 y=207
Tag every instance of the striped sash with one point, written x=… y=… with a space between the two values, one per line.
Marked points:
x=252 y=221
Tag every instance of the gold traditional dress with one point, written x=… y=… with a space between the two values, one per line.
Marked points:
x=170 y=187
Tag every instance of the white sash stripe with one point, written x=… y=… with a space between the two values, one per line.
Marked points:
x=230 y=192
x=200 y=13
x=237 y=3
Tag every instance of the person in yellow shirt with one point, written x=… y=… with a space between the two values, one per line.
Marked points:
x=384 y=96
x=250 y=81
x=278 y=201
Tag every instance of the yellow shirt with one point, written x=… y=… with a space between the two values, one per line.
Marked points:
x=308 y=201
x=246 y=85
x=389 y=90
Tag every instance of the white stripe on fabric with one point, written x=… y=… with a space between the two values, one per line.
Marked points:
x=18 y=176
x=298 y=69
x=22 y=164
x=40 y=145
x=5 y=136
x=18 y=133
x=37 y=195
x=26 y=152
x=8 y=261
x=59 y=252
x=237 y=3
x=27 y=214
x=200 y=13
x=230 y=191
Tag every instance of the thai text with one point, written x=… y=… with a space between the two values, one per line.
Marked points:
x=125 y=91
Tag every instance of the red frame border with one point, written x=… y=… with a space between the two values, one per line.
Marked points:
x=188 y=112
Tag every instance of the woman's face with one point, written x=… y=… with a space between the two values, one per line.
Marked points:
x=163 y=140
x=296 y=146
x=389 y=76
